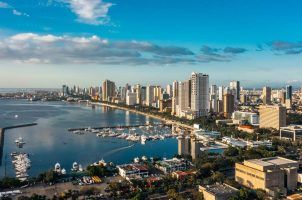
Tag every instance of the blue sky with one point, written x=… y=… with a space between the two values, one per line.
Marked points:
x=45 y=43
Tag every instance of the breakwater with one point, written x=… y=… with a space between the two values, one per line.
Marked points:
x=2 y=131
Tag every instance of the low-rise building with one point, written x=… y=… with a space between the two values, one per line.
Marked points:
x=274 y=174
x=179 y=175
x=255 y=144
x=218 y=192
x=292 y=132
x=234 y=142
x=131 y=170
x=250 y=117
x=171 y=165
x=246 y=128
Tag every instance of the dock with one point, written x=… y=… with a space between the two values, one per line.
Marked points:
x=112 y=127
x=2 y=131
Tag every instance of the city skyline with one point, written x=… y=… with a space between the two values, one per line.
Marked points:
x=55 y=42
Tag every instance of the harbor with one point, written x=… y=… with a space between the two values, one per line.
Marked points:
x=134 y=133
x=49 y=142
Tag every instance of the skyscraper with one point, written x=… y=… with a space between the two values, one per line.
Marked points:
x=169 y=90
x=235 y=85
x=266 y=95
x=184 y=96
x=108 y=90
x=289 y=94
x=228 y=105
x=150 y=95
x=137 y=91
x=200 y=94
x=174 y=97
x=220 y=93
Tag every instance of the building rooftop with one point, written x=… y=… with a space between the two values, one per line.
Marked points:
x=272 y=161
x=292 y=127
x=133 y=167
x=220 y=190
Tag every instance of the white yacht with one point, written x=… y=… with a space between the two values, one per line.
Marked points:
x=75 y=166
x=143 y=139
x=136 y=160
x=57 y=168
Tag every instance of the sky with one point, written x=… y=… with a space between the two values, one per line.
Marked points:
x=47 y=43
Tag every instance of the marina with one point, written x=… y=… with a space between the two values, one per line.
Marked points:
x=49 y=141
x=136 y=133
x=21 y=163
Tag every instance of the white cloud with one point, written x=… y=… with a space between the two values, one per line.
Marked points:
x=34 y=48
x=90 y=11
x=14 y=11
x=4 y=5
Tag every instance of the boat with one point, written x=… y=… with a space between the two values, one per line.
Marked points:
x=57 y=167
x=63 y=171
x=143 y=139
x=136 y=160
x=81 y=168
x=75 y=166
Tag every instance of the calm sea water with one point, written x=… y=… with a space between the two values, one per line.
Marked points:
x=50 y=142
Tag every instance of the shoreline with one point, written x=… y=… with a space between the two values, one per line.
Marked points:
x=130 y=110
x=167 y=121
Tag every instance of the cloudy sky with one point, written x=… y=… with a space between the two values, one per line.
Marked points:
x=45 y=43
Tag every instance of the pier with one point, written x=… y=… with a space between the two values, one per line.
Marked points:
x=2 y=131
x=112 y=127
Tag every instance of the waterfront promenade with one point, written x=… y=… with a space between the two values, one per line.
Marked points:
x=167 y=121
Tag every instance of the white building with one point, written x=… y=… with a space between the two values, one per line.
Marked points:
x=200 y=94
x=130 y=98
x=150 y=95
x=171 y=165
x=252 y=118
x=131 y=170
x=183 y=97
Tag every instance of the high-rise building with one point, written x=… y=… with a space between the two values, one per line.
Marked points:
x=266 y=95
x=130 y=98
x=64 y=90
x=184 y=96
x=143 y=94
x=174 y=97
x=213 y=90
x=228 y=105
x=150 y=95
x=200 y=94
x=169 y=90
x=137 y=90
x=108 y=90
x=157 y=95
x=235 y=85
x=220 y=93
x=289 y=94
x=272 y=116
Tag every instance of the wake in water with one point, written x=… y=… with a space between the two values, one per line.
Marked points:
x=117 y=150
